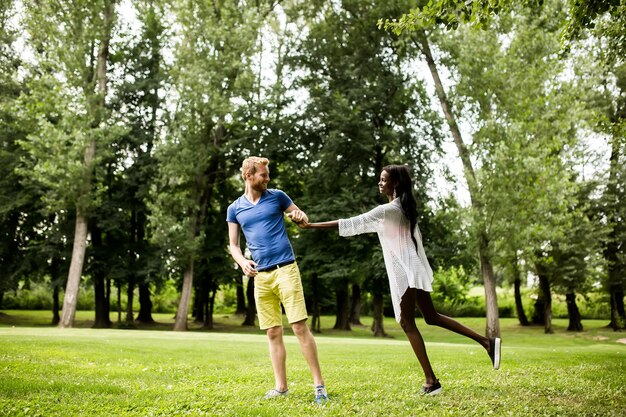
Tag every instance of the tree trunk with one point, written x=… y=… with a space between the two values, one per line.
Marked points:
x=119 y=301
x=55 y=305
x=316 y=325
x=241 y=297
x=377 y=325
x=517 y=283
x=618 y=318
x=208 y=313
x=185 y=297
x=130 y=298
x=355 y=311
x=70 y=301
x=108 y=297
x=145 y=304
x=200 y=300
x=486 y=268
x=544 y=288
x=251 y=310
x=489 y=280
x=615 y=276
x=575 y=322
x=519 y=307
x=342 y=321
x=101 y=320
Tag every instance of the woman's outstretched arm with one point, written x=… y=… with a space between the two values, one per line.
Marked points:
x=334 y=224
x=304 y=224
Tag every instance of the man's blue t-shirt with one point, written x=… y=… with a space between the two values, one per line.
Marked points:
x=263 y=225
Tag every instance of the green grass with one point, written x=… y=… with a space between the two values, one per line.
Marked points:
x=45 y=371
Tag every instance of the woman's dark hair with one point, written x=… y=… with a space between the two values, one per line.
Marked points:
x=401 y=176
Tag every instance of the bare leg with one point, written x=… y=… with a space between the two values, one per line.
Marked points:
x=432 y=317
x=309 y=349
x=407 y=321
x=278 y=355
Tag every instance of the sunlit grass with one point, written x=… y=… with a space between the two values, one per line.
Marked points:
x=51 y=372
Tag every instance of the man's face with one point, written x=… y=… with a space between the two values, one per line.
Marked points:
x=259 y=180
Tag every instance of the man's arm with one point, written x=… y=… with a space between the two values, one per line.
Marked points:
x=247 y=265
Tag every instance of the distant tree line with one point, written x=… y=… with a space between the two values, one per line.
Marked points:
x=122 y=131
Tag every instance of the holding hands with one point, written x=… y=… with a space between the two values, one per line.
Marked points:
x=299 y=217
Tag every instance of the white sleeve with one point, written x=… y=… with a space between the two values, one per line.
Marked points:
x=369 y=222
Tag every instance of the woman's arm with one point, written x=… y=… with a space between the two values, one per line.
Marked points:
x=304 y=222
x=334 y=224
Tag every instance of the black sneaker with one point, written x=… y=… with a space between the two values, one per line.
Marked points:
x=434 y=389
x=494 y=351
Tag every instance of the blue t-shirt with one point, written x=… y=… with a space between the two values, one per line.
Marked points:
x=263 y=225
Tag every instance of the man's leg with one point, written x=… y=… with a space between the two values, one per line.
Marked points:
x=278 y=356
x=309 y=349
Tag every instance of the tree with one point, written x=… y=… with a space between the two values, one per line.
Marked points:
x=211 y=74
x=363 y=112
x=526 y=118
x=71 y=42
x=15 y=201
x=132 y=166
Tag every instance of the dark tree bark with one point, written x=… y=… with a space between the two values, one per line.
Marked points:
x=241 y=297
x=316 y=326
x=251 y=310
x=618 y=317
x=519 y=307
x=56 y=317
x=200 y=299
x=544 y=286
x=130 y=296
x=378 y=328
x=517 y=282
x=355 y=311
x=611 y=251
x=145 y=304
x=208 y=313
x=575 y=322
x=119 y=301
x=145 y=297
x=102 y=320
x=342 y=318
x=55 y=274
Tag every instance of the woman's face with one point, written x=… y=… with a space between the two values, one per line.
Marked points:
x=384 y=184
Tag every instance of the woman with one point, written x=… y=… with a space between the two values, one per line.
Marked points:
x=410 y=275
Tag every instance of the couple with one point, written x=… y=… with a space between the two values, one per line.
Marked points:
x=259 y=213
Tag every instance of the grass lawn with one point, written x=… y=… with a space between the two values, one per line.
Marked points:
x=45 y=371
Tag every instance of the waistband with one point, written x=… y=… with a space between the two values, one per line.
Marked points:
x=273 y=267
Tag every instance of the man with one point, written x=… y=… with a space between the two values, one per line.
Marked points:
x=259 y=212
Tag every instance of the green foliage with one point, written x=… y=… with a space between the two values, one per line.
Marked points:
x=451 y=286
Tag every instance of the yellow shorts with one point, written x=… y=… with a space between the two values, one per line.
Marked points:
x=281 y=285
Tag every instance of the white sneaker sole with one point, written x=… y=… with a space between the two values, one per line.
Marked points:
x=496 y=353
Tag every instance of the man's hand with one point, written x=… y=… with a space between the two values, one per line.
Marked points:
x=249 y=267
x=298 y=217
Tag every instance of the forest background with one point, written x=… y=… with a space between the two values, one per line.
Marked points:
x=124 y=125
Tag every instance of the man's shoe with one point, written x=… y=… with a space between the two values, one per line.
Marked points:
x=321 y=396
x=274 y=393
x=433 y=389
x=494 y=351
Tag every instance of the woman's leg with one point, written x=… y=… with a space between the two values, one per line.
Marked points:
x=407 y=321
x=432 y=317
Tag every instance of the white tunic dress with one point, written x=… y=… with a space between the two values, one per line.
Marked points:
x=406 y=266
